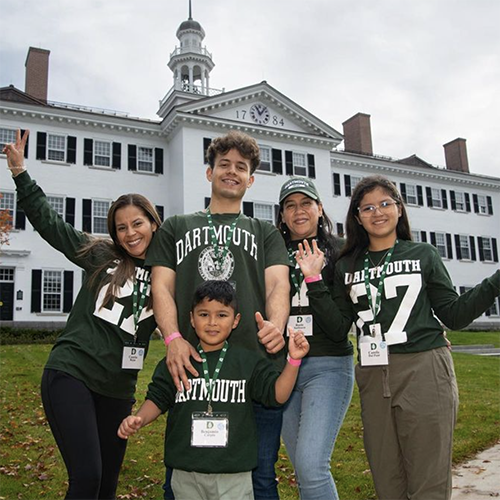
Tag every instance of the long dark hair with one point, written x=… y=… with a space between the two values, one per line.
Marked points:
x=357 y=239
x=327 y=242
x=111 y=251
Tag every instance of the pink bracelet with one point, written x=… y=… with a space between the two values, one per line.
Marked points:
x=293 y=362
x=171 y=337
x=312 y=279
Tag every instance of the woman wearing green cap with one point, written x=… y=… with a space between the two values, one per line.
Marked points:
x=315 y=412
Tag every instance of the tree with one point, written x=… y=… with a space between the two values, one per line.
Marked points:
x=5 y=226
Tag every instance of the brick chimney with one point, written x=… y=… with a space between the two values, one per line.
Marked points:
x=358 y=134
x=37 y=73
x=455 y=153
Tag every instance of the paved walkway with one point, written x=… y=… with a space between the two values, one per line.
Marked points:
x=479 y=478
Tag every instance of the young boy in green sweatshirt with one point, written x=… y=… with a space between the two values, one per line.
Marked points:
x=211 y=439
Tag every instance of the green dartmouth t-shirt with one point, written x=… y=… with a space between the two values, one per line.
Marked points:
x=184 y=244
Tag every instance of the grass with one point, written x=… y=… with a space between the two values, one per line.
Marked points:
x=31 y=467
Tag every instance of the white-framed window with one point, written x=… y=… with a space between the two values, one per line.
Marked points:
x=100 y=210
x=299 y=164
x=416 y=236
x=460 y=205
x=441 y=245
x=411 y=195
x=8 y=203
x=464 y=247
x=145 y=159
x=437 y=199
x=56 y=147
x=265 y=158
x=354 y=181
x=482 y=204
x=7 y=135
x=52 y=290
x=6 y=274
x=487 y=249
x=264 y=211
x=57 y=203
x=102 y=153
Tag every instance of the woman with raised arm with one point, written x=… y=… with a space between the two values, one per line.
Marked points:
x=317 y=407
x=397 y=292
x=89 y=380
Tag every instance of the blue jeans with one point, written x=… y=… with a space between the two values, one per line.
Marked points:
x=265 y=486
x=312 y=420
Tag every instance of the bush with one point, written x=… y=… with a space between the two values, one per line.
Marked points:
x=11 y=336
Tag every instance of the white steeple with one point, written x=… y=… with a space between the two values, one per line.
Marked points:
x=191 y=63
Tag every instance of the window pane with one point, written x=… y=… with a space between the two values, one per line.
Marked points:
x=56 y=145
x=299 y=164
x=102 y=153
x=264 y=212
x=6 y=136
x=265 y=158
x=7 y=201
x=411 y=194
x=100 y=214
x=145 y=159
x=52 y=288
x=487 y=252
x=483 y=207
x=441 y=245
x=416 y=236
x=436 y=198
x=7 y=274
x=57 y=204
x=460 y=201
x=464 y=247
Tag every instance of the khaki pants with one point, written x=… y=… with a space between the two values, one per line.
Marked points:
x=198 y=486
x=409 y=410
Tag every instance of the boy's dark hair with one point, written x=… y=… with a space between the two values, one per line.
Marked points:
x=221 y=291
x=243 y=143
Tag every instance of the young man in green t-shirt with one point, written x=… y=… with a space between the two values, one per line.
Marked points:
x=222 y=243
x=211 y=441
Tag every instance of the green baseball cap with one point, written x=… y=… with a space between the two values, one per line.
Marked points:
x=299 y=185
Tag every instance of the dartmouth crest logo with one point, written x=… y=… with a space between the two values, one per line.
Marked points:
x=208 y=268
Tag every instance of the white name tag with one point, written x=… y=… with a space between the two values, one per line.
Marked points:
x=302 y=323
x=209 y=431
x=133 y=357
x=395 y=338
x=373 y=351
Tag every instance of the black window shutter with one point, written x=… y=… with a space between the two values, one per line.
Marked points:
x=444 y=198
x=71 y=150
x=117 y=156
x=467 y=202
x=423 y=236
x=132 y=157
x=20 y=218
x=87 y=216
x=347 y=182
x=70 y=211
x=340 y=229
x=490 y=205
x=429 y=196
x=68 y=291
x=480 y=248
x=36 y=290
x=462 y=289
x=88 y=152
x=472 y=248
x=207 y=201
x=288 y=163
x=336 y=184
x=276 y=211
x=433 y=238
x=277 y=166
x=476 y=203
x=420 y=196
x=311 y=168
x=403 y=191
x=449 y=246
x=26 y=147
x=452 y=200
x=495 y=249
x=159 y=209
x=158 y=160
x=248 y=208
x=457 y=247
x=41 y=146
x=206 y=144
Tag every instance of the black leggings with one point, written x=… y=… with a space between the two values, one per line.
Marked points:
x=84 y=425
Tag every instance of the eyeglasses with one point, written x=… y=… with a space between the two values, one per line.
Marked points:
x=384 y=208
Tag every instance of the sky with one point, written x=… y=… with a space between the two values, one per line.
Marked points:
x=427 y=71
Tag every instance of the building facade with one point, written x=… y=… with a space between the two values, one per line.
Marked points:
x=84 y=158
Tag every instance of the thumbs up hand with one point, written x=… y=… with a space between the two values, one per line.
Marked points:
x=269 y=335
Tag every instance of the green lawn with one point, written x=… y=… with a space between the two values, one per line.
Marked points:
x=31 y=468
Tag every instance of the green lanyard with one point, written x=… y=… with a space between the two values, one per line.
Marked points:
x=297 y=282
x=378 y=299
x=219 y=259
x=138 y=303
x=209 y=384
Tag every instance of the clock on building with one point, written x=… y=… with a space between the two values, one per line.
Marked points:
x=260 y=114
